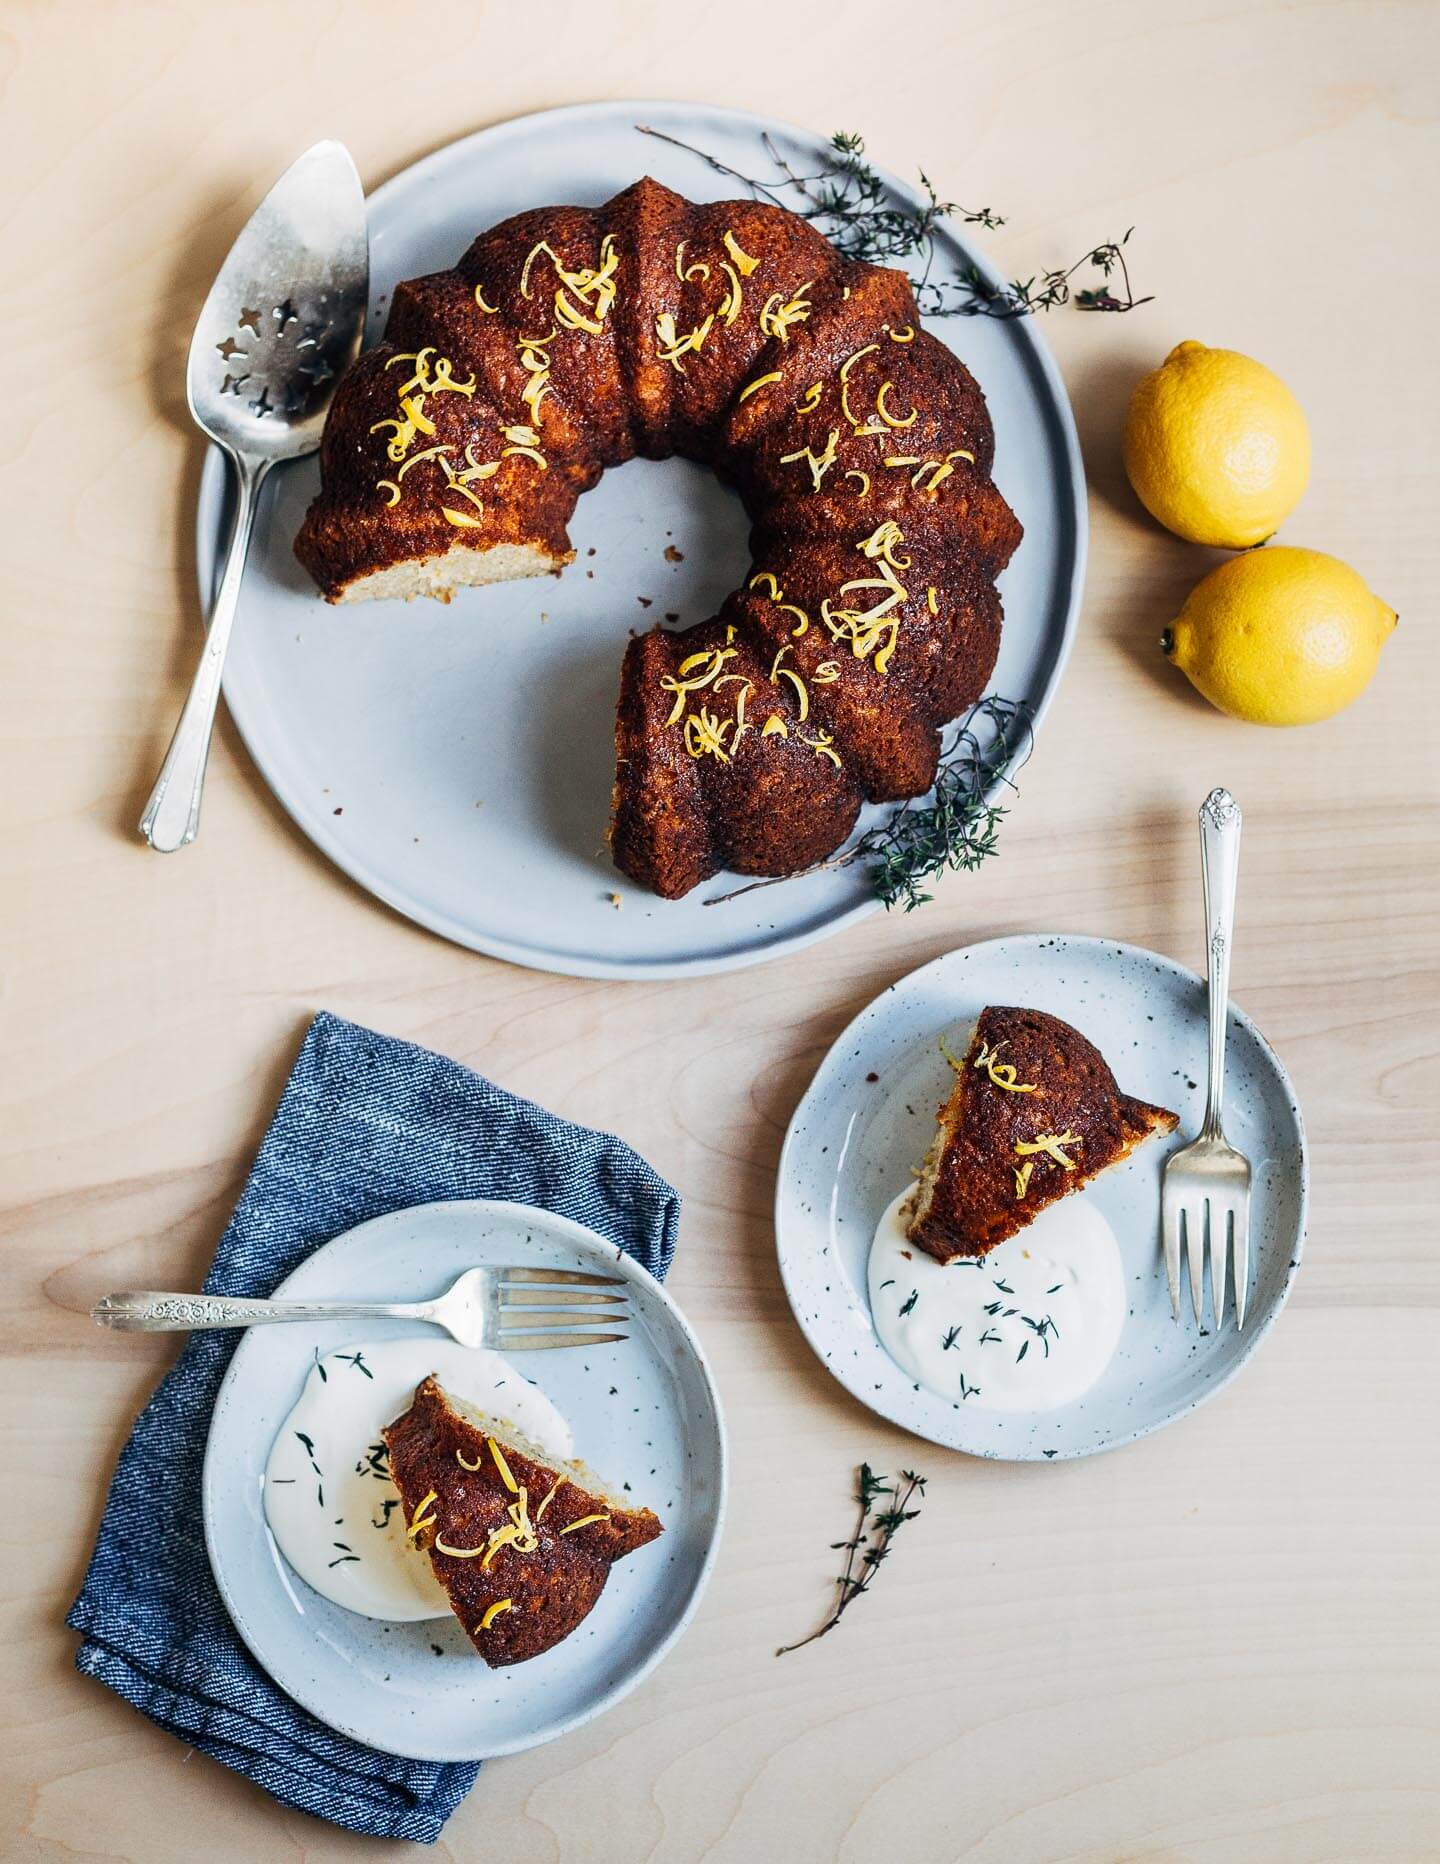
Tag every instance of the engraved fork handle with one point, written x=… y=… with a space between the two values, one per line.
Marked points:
x=1220 y=821
x=147 y=1311
x=172 y=816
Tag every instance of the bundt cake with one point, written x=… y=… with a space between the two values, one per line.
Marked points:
x=1034 y=1114
x=521 y=1545
x=569 y=339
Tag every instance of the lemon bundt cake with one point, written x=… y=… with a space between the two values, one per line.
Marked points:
x=1034 y=1114
x=567 y=340
x=521 y=1544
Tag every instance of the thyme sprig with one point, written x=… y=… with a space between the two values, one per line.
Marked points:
x=959 y=826
x=884 y=1509
x=851 y=204
x=951 y=831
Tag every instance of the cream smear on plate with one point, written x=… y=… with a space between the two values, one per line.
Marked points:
x=1029 y=1327
x=334 y=1512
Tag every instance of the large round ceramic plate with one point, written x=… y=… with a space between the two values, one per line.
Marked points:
x=869 y=1115
x=457 y=761
x=646 y=1407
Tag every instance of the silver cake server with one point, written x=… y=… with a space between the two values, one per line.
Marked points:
x=282 y=321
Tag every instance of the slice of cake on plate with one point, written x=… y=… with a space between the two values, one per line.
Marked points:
x=521 y=1543
x=1035 y=1113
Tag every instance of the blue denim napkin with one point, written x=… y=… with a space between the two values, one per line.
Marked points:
x=366 y=1125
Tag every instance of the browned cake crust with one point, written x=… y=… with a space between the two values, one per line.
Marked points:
x=569 y=339
x=985 y=1178
x=455 y=1470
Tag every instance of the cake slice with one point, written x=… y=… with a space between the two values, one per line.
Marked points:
x=1035 y=1113
x=521 y=1544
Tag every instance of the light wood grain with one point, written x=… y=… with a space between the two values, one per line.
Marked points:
x=1220 y=1644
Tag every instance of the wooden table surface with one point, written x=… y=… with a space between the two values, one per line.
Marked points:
x=1218 y=1644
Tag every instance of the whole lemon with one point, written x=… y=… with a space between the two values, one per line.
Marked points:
x=1216 y=447
x=1280 y=636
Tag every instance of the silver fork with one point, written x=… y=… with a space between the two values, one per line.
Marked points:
x=1207 y=1183
x=474 y=1310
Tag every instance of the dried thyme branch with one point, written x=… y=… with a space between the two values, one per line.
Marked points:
x=959 y=826
x=849 y=202
x=952 y=832
x=869 y=1547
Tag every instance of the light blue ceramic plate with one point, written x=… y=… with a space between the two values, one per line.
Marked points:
x=645 y=1411
x=854 y=1141
x=457 y=762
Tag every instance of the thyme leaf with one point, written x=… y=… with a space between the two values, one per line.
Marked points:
x=884 y=1508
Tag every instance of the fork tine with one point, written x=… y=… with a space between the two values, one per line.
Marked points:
x=1170 y=1233
x=1195 y=1249
x=1219 y=1257
x=532 y=1296
x=576 y=1278
x=1241 y=1258
x=526 y=1320
x=541 y=1342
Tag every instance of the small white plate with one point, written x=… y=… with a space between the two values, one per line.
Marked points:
x=645 y=1412
x=457 y=761
x=868 y=1118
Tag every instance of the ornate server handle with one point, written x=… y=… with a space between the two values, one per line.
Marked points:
x=147 y=1311
x=1220 y=821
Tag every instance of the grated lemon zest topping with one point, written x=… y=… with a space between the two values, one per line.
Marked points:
x=892 y=420
x=417 y=459
x=463 y=520
x=493 y=310
x=1002 y=1073
x=801 y=618
x=534 y=354
x=905 y=334
x=472 y=1467
x=503 y=1467
x=550 y=1496
x=801 y=691
x=930 y=601
x=810 y=400
x=775 y=663
x=734 y=295
x=532 y=453
x=593 y=285
x=863 y=477
x=826 y=673
x=822 y=746
x=459 y=1553
x=880 y=545
x=427 y=378
x=710 y=661
x=845 y=368
x=761 y=381
x=774 y=727
x=492 y=1612
x=584 y=1521
x=819 y=463
x=419 y=1521
x=776 y=592
x=744 y=264
x=671 y=345
x=779 y=313
x=1051 y=1144
x=705 y=735
x=1022 y=1177
x=388 y=485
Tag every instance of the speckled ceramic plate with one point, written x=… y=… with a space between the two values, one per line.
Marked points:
x=869 y=1116
x=645 y=1411
x=457 y=761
